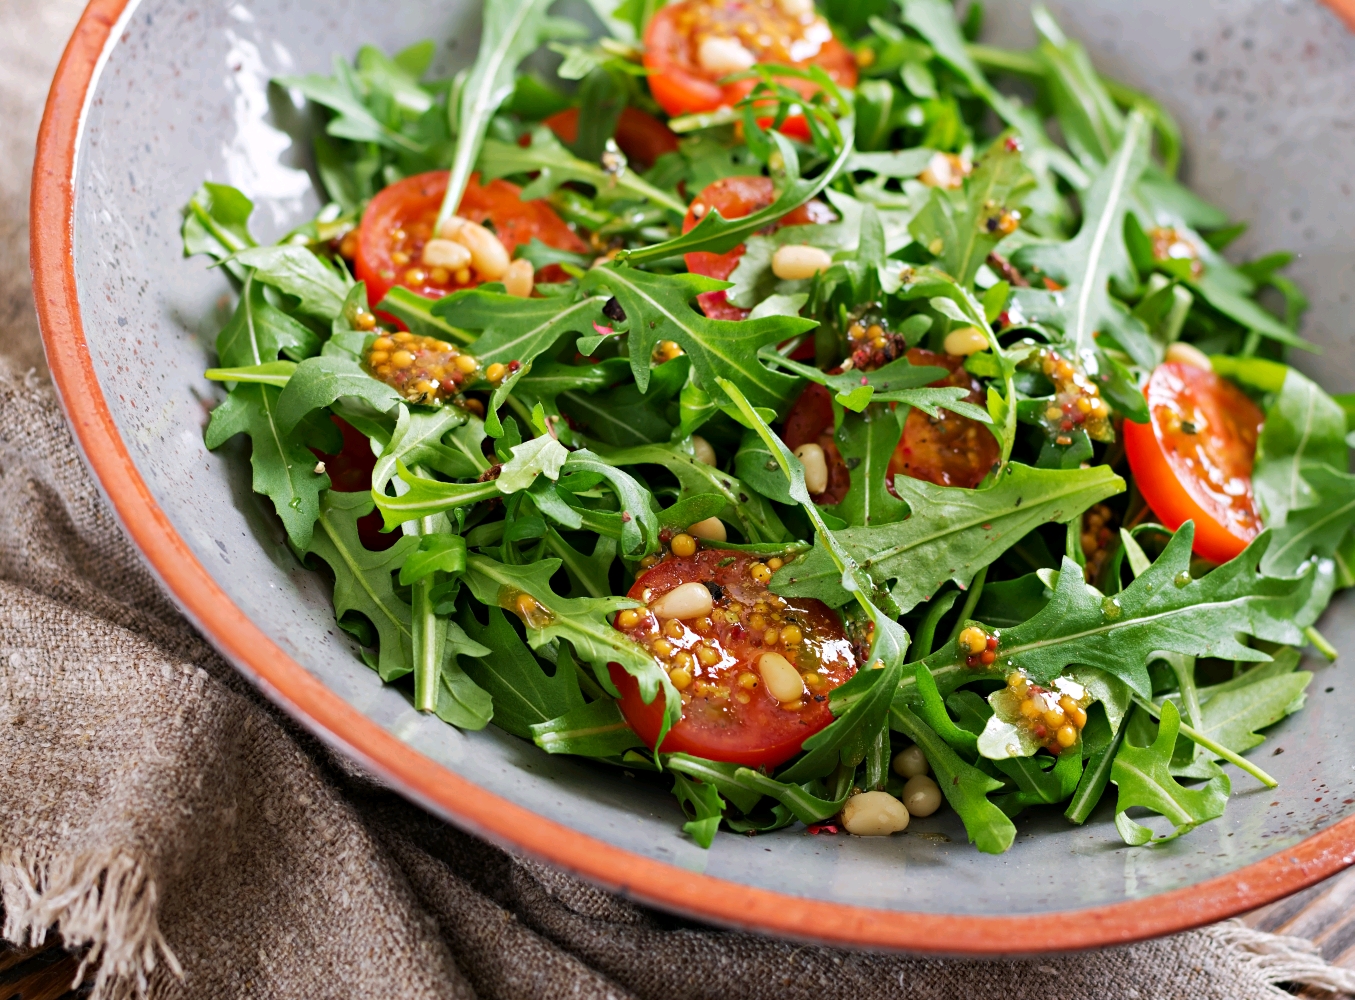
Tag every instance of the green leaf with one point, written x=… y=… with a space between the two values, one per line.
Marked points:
x=897 y=382
x=1303 y=427
x=965 y=787
x=362 y=578
x=539 y=456
x=436 y=553
x=1234 y=711
x=951 y=534
x=1086 y=264
x=513 y=328
x=580 y=620
x=597 y=729
x=658 y=307
x=1144 y=779
x=963 y=227
x=511 y=32
x=1164 y=609
x=426 y=497
x=553 y=165
x=274 y=373
x=416 y=312
x=460 y=701
x=717 y=234
x=216 y=223
x=868 y=696
x=744 y=508
x=318 y=382
x=639 y=524
x=867 y=443
x=342 y=94
x=258 y=330
x=1317 y=529
x=1091 y=123
x=446 y=439
x=298 y=272
x=284 y=468
x=524 y=694
x=702 y=802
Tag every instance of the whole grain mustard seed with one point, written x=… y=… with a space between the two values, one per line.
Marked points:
x=421 y=369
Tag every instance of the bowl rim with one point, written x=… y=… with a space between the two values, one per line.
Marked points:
x=456 y=799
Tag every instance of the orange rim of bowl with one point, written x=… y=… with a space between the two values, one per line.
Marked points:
x=461 y=801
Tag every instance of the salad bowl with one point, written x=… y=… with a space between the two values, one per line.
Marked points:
x=153 y=94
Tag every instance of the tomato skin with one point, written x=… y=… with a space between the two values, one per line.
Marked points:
x=949 y=450
x=682 y=87
x=350 y=471
x=734 y=198
x=756 y=731
x=411 y=205
x=1205 y=476
x=641 y=136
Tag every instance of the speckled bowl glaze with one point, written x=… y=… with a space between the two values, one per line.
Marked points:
x=155 y=95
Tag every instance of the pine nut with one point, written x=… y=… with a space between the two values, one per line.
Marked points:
x=797 y=262
x=783 y=681
x=520 y=278
x=966 y=340
x=690 y=600
x=1181 y=353
x=796 y=8
x=921 y=795
x=702 y=450
x=722 y=56
x=712 y=529
x=445 y=253
x=910 y=762
x=816 y=467
x=487 y=254
x=874 y=814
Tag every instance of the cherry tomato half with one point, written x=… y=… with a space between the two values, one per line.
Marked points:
x=399 y=221
x=641 y=136
x=735 y=197
x=350 y=471
x=1193 y=460
x=949 y=450
x=727 y=712
x=691 y=45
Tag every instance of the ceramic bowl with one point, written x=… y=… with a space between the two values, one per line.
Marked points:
x=155 y=95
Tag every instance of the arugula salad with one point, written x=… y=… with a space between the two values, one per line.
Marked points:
x=812 y=409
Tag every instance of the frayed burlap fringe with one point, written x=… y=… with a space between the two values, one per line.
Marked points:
x=1283 y=959
x=105 y=906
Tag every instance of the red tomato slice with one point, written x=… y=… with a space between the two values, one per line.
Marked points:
x=399 y=221
x=1193 y=460
x=948 y=450
x=641 y=136
x=682 y=85
x=727 y=713
x=350 y=471
x=735 y=197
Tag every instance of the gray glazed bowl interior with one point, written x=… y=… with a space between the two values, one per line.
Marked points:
x=1262 y=90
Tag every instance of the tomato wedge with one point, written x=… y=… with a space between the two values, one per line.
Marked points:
x=716 y=661
x=690 y=46
x=400 y=219
x=949 y=450
x=641 y=136
x=735 y=197
x=1193 y=460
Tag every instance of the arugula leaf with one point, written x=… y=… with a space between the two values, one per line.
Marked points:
x=1233 y=712
x=962 y=227
x=1304 y=427
x=416 y=312
x=897 y=382
x=951 y=534
x=965 y=787
x=744 y=508
x=597 y=729
x=1143 y=776
x=524 y=694
x=298 y=272
x=658 y=307
x=1318 y=529
x=717 y=234
x=362 y=578
x=554 y=165
x=318 y=382
x=258 y=331
x=274 y=373
x=1086 y=264
x=1164 y=609
x=284 y=468
x=867 y=443
x=702 y=802
x=424 y=437
x=511 y=32
x=216 y=223
x=639 y=532
x=460 y=701
x=426 y=497
x=536 y=457
x=744 y=787
x=435 y=553
x=513 y=328
x=867 y=698
x=581 y=620
x=342 y=94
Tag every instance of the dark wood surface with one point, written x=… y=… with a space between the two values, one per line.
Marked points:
x=1324 y=914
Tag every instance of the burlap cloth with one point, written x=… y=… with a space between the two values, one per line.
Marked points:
x=162 y=819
